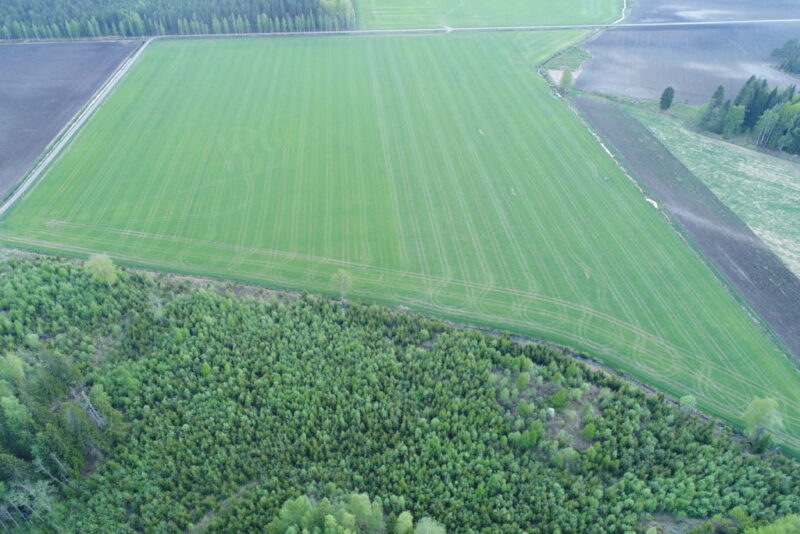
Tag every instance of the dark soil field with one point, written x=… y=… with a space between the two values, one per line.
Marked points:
x=640 y=63
x=701 y=10
x=50 y=83
x=771 y=289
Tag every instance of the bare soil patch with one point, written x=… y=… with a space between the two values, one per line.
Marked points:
x=757 y=274
x=705 y=10
x=43 y=86
x=640 y=63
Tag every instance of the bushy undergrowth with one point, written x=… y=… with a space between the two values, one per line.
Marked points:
x=217 y=408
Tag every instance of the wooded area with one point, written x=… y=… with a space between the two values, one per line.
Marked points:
x=136 y=403
x=770 y=118
x=58 y=19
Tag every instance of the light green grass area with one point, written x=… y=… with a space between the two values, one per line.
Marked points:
x=438 y=171
x=379 y=14
x=569 y=58
x=763 y=190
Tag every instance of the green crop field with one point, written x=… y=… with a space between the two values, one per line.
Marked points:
x=376 y=14
x=438 y=171
x=763 y=190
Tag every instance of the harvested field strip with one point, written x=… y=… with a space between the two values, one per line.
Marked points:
x=439 y=171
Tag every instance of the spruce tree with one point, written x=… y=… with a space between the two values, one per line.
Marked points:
x=666 y=98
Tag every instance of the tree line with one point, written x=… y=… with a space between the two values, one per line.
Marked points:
x=64 y=19
x=769 y=117
x=169 y=405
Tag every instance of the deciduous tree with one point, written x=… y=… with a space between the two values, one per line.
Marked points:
x=762 y=415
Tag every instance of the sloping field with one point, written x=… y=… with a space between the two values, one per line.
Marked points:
x=763 y=190
x=438 y=171
x=378 y=14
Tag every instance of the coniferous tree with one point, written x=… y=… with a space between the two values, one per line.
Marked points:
x=666 y=98
x=711 y=110
x=39 y=19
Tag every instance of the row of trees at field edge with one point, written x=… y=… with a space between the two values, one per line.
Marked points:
x=167 y=402
x=60 y=19
x=769 y=117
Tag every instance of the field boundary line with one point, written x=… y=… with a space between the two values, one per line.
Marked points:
x=702 y=254
x=72 y=128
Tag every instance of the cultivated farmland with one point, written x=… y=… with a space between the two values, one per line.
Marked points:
x=438 y=171
x=377 y=14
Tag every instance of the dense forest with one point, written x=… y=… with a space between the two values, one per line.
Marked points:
x=57 y=19
x=768 y=117
x=134 y=402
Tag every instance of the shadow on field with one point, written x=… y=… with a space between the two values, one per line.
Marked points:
x=770 y=288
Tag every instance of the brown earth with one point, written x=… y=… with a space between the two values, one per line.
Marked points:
x=43 y=86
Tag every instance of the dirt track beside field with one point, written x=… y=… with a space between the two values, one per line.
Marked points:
x=757 y=274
